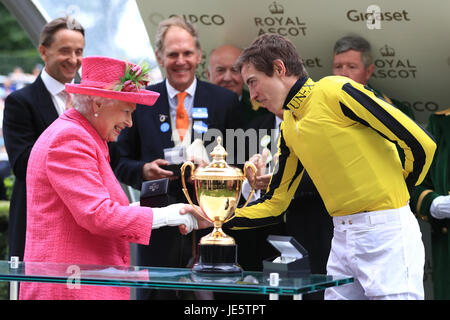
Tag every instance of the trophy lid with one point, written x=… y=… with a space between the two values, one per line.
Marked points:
x=218 y=168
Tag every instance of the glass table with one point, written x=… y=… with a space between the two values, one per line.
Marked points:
x=163 y=278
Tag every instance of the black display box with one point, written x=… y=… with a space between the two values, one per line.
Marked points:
x=154 y=193
x=293 y=260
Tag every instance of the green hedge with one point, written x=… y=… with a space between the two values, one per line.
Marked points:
x=4 y=218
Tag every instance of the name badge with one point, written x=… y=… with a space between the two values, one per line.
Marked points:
x=200 y=127
x=200 y=113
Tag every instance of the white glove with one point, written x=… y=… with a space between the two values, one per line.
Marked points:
x=440 y=207
x=247 y=188
x=170 y=216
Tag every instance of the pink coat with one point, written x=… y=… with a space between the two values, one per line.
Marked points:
x=77 y=211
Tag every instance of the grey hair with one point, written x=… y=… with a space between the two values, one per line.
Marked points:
x=83 y=103
x=357 y=43
x=177 y=21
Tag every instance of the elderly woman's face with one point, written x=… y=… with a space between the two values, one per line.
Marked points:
x=113 y=118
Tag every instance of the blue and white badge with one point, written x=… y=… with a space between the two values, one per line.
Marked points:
x=165 y=127
x=200 y=127
x=200 y=113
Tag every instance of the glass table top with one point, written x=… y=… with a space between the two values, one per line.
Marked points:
x=163 y=278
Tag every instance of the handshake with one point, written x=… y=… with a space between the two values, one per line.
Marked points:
x=179 y=214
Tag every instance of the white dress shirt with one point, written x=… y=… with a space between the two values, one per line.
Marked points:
x=55 y=88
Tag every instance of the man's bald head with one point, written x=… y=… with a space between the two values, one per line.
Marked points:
x=221 y=69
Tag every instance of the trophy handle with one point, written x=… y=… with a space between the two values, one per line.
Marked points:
x=185 y=191
x=246 y=166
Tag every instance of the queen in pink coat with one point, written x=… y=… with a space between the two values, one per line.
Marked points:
x=77 y=210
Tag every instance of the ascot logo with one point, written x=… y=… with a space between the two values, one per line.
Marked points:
x=278 y=23
x=276 y=8
x=387 y=51
x=391 y=67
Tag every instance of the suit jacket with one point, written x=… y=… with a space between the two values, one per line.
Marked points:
x=249 y=113
x=28 y=112
x=78 y=212
x=144 y=142
x=263 y=125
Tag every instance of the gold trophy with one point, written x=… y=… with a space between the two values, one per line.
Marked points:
x=218 y=190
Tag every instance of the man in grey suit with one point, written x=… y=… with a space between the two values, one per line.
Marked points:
x=30 y=110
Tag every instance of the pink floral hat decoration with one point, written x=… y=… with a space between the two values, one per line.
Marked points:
x=114 y=79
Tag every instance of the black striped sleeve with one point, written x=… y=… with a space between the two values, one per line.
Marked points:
x=270 y=208
x=400 y=128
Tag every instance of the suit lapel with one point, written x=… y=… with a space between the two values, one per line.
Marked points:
x=161 y=115
x=199 y=98
x=201 y=101
x=44 y=102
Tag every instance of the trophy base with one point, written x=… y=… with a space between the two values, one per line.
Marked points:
x=217 y=259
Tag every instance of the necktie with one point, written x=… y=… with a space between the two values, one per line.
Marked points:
x=182 y=116
x=67 y=98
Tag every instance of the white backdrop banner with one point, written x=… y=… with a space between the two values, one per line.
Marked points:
x=410 y=39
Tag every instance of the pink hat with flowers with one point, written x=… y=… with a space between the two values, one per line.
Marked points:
x=114 y=79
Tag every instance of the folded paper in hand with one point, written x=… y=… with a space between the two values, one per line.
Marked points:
x=176 y=155
x=196 y=152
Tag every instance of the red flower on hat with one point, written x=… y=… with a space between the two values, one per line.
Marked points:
x=129 y=86
x=135 y=78
x=137 y=70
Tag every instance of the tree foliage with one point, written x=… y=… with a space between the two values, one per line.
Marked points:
x=16 y=48
x=13 y=36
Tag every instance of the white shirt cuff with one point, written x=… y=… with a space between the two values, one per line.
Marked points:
x=247 y=188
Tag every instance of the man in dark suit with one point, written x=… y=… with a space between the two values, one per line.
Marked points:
x=221 y=72
x=30 y=110
x=186 y=109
